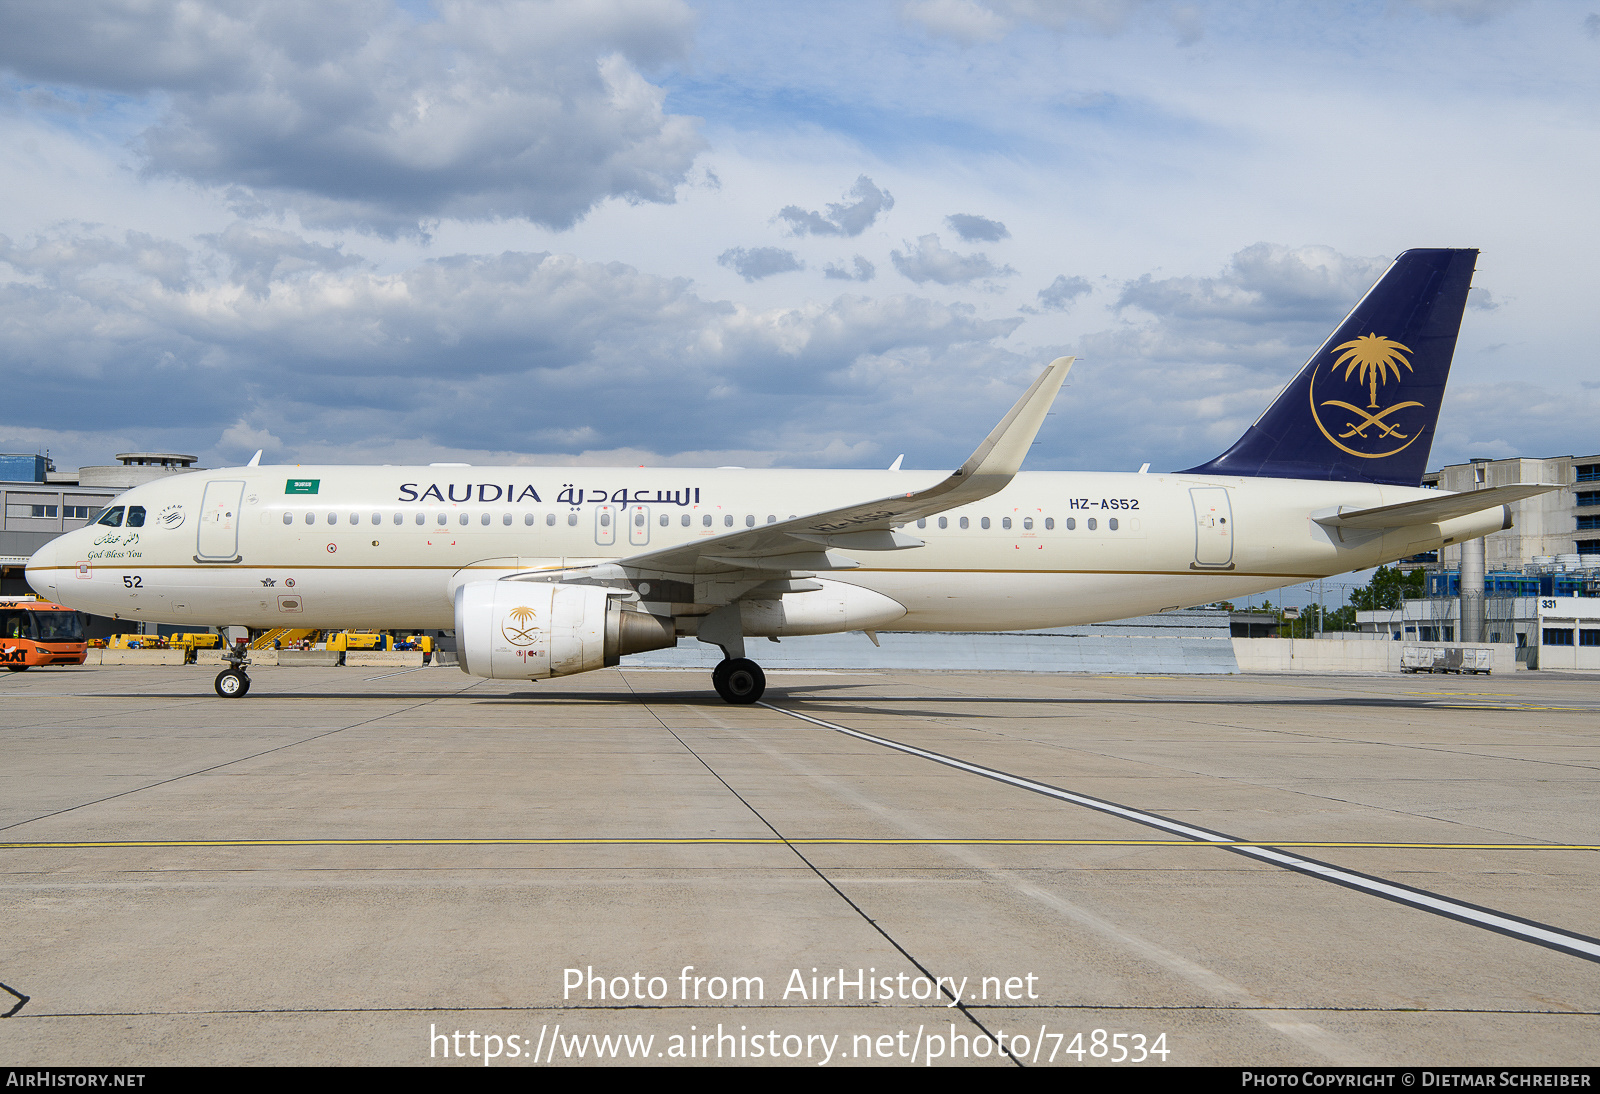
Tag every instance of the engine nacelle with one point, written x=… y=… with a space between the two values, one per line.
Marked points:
x=529 y=630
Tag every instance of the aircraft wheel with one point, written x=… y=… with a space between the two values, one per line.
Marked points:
x=232 y=684
x=739 y=680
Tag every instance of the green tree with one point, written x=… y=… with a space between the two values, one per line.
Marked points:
x=1388 y=587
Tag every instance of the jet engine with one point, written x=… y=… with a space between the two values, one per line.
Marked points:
x=527 y=630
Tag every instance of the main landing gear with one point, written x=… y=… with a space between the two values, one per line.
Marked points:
x=739 y=680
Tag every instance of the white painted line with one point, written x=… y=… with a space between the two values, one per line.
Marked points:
x=1528 y=930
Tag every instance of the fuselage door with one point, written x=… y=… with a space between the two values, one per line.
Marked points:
x=1213 y=533
x=219 y=522
x=605 y=525
x=639 y=526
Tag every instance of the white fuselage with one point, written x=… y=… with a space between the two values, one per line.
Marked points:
x=386 y=547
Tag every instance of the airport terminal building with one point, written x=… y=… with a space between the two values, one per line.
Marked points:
x=41 y=503
x=1562 y=523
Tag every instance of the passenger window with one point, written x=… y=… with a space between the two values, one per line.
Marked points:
x=1091 y=524
x=964 y=523
x=1072 y=523
x=444 y=518
x=771 y=519
x=605 y=520
x=638 y=520
x=1049 y=524
x=984 y=523
x=484 y=520
x=399 y=518
x=422 y=518
x=377 y=518
x=1112 y=524
x=727 y=521
x=311 y=518
x=684 y=521
x=572 y=520
x=288 y=518
x=135 y=516
x=749 y=520
x=1005 y=522
x=333 y=518
x=922 y=522
x=1027 y=524
x=944 y=522
x=706 y=520
x=665 y=520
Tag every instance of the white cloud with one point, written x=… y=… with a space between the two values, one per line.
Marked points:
x=965 y=21
x=1060 y=293
x=861 y=270
x=843 y=218
x=754 y=263
x=1264 y=281
x=511 y=353
x=352 y=115
x=972 y=229
x=931 y=262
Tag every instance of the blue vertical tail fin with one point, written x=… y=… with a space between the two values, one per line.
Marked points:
x=1364 y=407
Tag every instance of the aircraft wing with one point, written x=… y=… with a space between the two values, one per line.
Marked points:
x=1431 y=510
x=807 y=543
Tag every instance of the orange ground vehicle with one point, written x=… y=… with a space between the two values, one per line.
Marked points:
x=37 y=632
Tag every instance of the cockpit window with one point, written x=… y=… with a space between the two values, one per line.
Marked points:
x=135 y=516
x=112 y=518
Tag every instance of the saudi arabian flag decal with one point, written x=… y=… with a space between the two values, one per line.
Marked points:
x=302 y=486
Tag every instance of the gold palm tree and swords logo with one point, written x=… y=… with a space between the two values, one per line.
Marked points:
x=521 y=629
x=1370 y=433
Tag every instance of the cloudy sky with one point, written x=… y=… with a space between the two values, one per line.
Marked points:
x=651 y=231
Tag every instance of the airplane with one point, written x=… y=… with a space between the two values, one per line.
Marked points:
x=545 y=572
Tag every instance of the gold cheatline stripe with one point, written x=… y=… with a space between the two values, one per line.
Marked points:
x=224 y=567
x=813 y=841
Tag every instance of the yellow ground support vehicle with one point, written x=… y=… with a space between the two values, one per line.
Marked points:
x=203 y=640
x=136 y=642
x=360 y=640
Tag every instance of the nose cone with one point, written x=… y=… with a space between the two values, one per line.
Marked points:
x=44 y=573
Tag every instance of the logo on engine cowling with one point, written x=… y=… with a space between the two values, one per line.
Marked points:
x=522 y=628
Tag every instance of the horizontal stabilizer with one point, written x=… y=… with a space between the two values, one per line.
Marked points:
x=1430 y=510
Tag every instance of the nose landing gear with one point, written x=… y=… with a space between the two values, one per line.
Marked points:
x=233 y=682
x=739 y=680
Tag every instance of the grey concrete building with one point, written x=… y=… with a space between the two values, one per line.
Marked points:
x=1562 y=522
x=47 y=502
